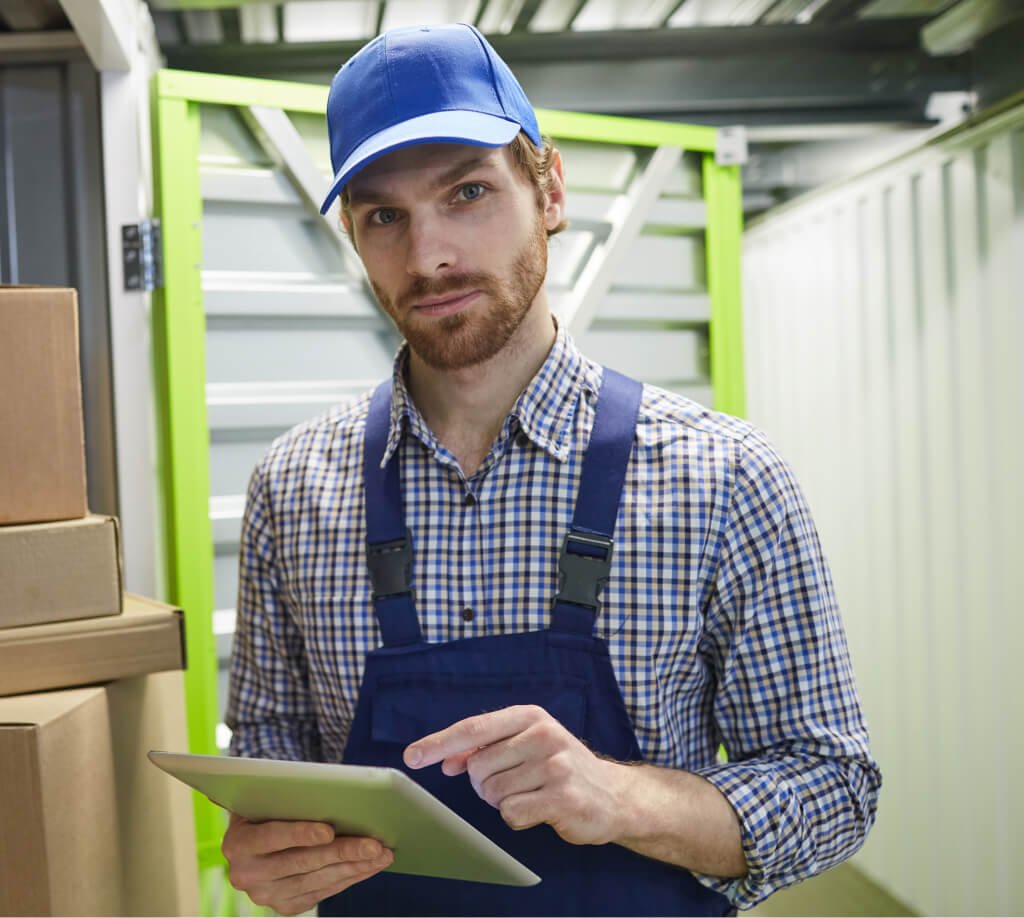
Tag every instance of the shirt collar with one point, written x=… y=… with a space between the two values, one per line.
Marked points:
x=547 y=406
x=544 y=410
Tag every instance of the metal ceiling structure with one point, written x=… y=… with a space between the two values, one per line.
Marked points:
x=703 y=61
x=821 y=86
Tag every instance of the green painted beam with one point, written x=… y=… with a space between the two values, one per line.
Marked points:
x=723 y=195
x=217 y=89
x=638 y=132
x=179 y=341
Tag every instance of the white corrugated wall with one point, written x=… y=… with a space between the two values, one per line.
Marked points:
x=885 y=338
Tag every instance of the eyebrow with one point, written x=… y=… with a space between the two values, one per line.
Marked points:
x=448 y=177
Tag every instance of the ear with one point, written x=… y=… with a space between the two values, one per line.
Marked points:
x=554 y=197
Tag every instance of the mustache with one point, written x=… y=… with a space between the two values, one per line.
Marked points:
x=423 y=287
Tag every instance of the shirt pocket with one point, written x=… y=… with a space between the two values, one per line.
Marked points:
x=408 y=707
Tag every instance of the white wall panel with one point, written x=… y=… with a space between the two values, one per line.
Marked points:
x=884 y=351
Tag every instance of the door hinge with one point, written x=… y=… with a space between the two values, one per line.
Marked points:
x=142 y=255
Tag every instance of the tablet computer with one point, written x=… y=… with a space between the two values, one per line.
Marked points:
x=426 y=836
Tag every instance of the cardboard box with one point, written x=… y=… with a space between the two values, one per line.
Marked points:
x=159 y=868
x=89 y=826
x=55 y=572
x=59 y=840
x=147 y=637
x=42 y=439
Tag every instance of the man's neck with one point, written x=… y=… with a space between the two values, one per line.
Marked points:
x=466 y=408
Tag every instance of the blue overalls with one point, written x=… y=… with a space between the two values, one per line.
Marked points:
x=411 y=688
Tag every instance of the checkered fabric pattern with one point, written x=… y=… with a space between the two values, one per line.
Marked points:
x=719 y=615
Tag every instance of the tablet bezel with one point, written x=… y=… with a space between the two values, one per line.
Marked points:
x=427 y=837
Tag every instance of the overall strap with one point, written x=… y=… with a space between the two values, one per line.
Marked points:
x=388 y=543
x=585 y=561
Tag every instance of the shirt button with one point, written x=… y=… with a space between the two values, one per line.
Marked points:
x=469 y=500
x=468 y=614
x=522 y=439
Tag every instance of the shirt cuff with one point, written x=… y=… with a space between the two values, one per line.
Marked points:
x=771 y=830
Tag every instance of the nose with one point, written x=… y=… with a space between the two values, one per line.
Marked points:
x=430 y=251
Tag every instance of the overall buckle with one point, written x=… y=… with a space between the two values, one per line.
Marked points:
x=584 y=567
x=390 y=566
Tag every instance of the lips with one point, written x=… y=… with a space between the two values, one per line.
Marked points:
x=445 y=305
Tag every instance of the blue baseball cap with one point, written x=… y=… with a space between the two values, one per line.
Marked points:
x=424 y=84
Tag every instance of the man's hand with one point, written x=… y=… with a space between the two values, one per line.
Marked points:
x=526 y=764
x=291 y=866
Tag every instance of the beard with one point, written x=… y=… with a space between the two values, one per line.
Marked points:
x=477 y=334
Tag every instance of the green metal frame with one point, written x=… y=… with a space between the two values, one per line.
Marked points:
x=179 y=341
x=179 y=334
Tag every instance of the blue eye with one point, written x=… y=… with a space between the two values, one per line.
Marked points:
x=384 y=217
x=471 y=191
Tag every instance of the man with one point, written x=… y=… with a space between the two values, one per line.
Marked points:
x=428 y=578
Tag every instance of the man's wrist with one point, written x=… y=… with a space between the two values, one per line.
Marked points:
x=630 y=801
x=675 y=816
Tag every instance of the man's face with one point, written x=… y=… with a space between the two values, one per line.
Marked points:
x=454 y=242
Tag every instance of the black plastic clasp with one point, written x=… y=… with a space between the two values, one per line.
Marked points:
x=390 y=566
x=583 y=568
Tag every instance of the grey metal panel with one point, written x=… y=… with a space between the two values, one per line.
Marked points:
x=263 y=407
x=597 y=167
x=258 y=237
x=51 y=212
x=885 y=342
x=232 y=460
x=225 y=519
x=663 y=263
x=247 y=186
x=654 y=356
x=276 y=350
x=640 y=306
x=35 y=143
x=225 y=140
x=225 y=580
x=567 y=253
x=238 y=294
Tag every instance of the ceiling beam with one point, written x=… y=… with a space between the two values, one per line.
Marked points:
x=961 y=27
x=638 y=44
x=525 y=15
x=755 y=74
x=29 y=47
x=834 y=11
x=31 y=15
x=108 y=34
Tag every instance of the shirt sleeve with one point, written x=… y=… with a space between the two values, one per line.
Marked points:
x=270 y=708
x=799 y=775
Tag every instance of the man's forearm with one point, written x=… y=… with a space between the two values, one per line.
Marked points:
x=678 y=817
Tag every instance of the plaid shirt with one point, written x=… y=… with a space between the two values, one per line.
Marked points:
x=719 y=614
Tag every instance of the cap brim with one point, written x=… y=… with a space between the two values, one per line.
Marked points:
x=439 y=127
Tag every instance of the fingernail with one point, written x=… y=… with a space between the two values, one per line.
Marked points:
x=368 y=850
x=413 y=756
